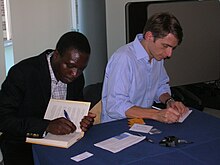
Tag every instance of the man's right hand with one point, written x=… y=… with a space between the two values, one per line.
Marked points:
x=61 y=126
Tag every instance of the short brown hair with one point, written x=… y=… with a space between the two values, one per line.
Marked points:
x=161 y=24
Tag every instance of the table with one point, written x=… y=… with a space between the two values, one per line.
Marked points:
x=200 y=128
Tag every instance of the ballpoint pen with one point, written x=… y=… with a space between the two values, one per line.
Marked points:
x=157 y=108
x=66 y=115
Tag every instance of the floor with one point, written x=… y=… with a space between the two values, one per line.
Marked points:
x=213 y=112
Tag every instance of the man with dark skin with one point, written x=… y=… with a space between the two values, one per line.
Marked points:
x=30 y=84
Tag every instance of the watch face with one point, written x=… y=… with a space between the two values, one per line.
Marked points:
x=168 y=100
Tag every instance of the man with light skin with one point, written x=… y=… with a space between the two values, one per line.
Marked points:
x=135 y=75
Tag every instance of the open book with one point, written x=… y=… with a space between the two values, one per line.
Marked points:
x=76 y=110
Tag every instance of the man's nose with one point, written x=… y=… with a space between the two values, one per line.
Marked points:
x=74 y=72
x=169 y=52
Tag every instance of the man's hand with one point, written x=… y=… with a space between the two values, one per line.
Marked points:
x=178 y=106
x=87 y=121
x=61 y=126
x=168 y=115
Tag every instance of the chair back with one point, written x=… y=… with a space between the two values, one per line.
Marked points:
x=97 y=109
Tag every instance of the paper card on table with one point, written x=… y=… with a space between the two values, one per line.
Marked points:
x=118 y=143
x=141 y=128
x=181 y=119
x=81 y=156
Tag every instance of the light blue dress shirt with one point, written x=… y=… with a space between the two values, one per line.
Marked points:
x=131 y=80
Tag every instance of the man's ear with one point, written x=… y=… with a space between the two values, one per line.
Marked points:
x=149 y=36
x=56 y=54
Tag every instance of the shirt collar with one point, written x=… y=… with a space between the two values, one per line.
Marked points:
x=139 y=49
x=53 y=78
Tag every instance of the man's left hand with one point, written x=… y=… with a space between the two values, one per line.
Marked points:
x=179 y=106
x=87 y=121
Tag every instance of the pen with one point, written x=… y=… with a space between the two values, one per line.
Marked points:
x=66 y=115
x=156 y=108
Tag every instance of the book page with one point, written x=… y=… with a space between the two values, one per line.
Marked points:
x=75 y=109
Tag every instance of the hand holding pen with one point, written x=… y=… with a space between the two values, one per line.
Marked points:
x=86 y=122
x=61 y=126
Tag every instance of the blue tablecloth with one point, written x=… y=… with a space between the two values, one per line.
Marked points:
x=200 y=128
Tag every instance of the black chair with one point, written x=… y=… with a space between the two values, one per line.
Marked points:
x=92 y=93
x=190 y=99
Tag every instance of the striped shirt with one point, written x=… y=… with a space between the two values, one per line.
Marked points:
x=58 y=89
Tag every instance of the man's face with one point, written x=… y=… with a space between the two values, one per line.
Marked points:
x=162 y=47
x=70 y=65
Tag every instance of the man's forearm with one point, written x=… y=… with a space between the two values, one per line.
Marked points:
x=139 y=112
x=165 y=97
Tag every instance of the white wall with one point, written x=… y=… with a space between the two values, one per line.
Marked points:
x=37 y=25
x=115 y=23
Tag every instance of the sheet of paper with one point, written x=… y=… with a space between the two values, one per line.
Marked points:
x=81 y=156
x=120 y=142
x=181 y=119
x=141 y=128
x=184 y=116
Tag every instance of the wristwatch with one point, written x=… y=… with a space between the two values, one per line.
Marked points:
x=169 y=100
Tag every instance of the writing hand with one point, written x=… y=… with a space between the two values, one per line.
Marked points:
x=178 y=106
x=61 y=126
x=168 y=115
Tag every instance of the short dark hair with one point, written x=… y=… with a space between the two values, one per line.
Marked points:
x=73 y=40
x=161 y=24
